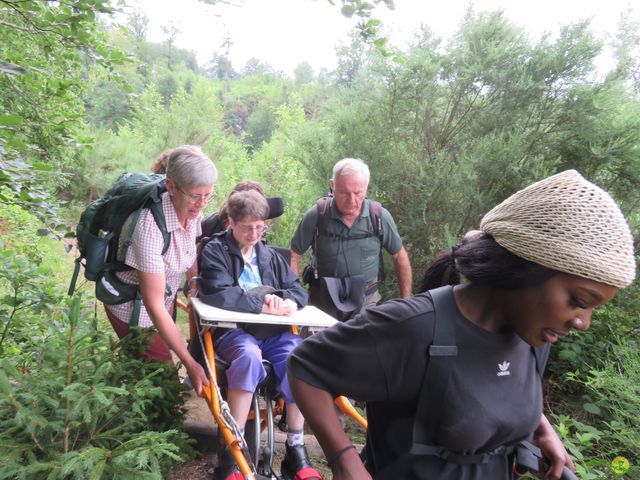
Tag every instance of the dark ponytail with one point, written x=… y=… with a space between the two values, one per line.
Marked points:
x=442 y=271
x=484 y=262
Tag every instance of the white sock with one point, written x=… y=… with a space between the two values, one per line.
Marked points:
x=295 y=437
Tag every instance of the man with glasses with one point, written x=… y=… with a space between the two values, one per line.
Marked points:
x=345 y=241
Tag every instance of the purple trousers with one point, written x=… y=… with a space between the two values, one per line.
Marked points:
x=244 y=353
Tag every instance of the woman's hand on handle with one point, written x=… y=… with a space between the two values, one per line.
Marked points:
x=198 y=376
x=553 y=450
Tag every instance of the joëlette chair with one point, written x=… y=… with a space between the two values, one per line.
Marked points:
x=253 y=456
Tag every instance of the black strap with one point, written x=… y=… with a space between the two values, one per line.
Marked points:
x=135 y=314
x=74 y=277
x=441 y=353
x=542 y=355
x=463 y=459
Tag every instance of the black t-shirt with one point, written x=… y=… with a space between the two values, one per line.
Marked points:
x=494 y=395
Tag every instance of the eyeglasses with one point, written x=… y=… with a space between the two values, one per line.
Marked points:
x=197 y=198
x=262 y=229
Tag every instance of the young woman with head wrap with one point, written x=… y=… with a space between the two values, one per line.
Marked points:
x=540 y=263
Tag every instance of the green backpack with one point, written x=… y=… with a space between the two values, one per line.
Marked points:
x=100 y=228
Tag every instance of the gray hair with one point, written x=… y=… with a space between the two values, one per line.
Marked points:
x=352 y=166
x=188 y=165
x=247 y=204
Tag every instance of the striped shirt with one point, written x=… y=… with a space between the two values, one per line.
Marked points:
x=145 y=254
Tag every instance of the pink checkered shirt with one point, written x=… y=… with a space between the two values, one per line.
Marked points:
x=145 y=254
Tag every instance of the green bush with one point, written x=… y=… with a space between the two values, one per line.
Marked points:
x=594 y=381
x=74 y=405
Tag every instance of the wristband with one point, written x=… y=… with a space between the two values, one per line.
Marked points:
x=338 y=454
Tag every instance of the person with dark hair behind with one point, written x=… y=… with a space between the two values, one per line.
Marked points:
x=159 y=165
x=462 y=409
x=219 y=221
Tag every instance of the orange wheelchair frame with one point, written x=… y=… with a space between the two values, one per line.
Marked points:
x=259 y=416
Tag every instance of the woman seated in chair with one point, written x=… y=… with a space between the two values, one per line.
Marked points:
x=239 y=272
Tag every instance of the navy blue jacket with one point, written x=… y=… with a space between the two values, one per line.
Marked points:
x=220 y=267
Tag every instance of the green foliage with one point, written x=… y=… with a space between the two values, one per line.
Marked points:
x=452 y=131
x=368 y=26
x=610 y=419
x=598 y=396
x=48 y=42
x=26 y=295
x=283 y=175
x=79 y=408
x=82 y=406
x=191 y=118
x=448 y=131
x=25 y=186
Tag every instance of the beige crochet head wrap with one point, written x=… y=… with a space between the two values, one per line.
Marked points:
x=568 y=224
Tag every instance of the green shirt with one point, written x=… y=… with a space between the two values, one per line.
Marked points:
x=336 y=255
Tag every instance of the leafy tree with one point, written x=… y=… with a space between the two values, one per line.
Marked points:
x=303 y=73
x=47 y=44
x=627 y=52
x=256 y=67
x=220 y=67
x=138 y=24
x=260 y=126
x=467 y=125
x=170 y=33
x=167 y=86
x=351 y=58
x=368 y=26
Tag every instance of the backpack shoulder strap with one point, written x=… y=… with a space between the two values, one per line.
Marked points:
x=436 y=379
x=322 y=220
x=441 y=353
x=322 y=204
x=542 y=355
x=158 y=216
x=375 y=213
x=154 y=204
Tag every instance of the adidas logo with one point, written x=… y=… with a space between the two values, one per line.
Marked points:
x=503 y=369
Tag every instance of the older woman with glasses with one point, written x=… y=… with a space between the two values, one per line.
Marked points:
x=190 y=180
x=240 y=272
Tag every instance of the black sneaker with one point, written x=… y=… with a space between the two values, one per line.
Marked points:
x=227 y=468
x=296 y=464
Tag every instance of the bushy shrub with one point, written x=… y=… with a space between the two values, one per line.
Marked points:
x=605 y=421
x=73 y=403
x=594 y=381
x=82 y=407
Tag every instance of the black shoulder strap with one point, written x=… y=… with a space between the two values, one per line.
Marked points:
x=441 y=353
x=158 y=216
x=542 y=355
x=375 y=214
x=436 y=378
x=322 y=204
x=322 y=220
